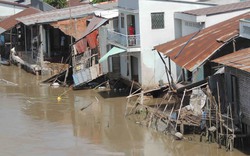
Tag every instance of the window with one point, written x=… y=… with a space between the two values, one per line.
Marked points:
x=193 y=24
x=122 y=20
x=157 y=20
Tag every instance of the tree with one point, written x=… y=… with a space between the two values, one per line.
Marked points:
x=57 y=3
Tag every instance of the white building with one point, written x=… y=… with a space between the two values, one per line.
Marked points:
x=154 y=24
x=191 y=21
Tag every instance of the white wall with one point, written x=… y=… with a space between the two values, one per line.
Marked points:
x=220 y=2
x=190 y=27
x=103 y=48
x=7 y=10
x=211 y=20
x=152 y=67
x=208 y=20
x=245 y=28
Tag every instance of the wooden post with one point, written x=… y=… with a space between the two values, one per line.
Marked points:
x=231 y=139
x=216 y=121
x=218 y=93
x=167 y=103
x=182 y=128
x=66 y=75
x=128 y=100
x=227 y=136
x=180 y=108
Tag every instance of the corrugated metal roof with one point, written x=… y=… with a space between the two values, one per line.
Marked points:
x=73 y=28
x=190 y=54
x=94 y=24
x=220 y=9
x=239 y=59
x=65 y=13
x=11 y=21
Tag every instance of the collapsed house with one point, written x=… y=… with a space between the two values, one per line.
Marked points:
x=11 y=32
x=206 y=96
x=53 y=33
x=86 y=51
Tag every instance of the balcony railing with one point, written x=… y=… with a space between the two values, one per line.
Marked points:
x=129 y=41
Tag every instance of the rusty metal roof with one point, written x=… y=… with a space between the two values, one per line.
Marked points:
x=11 y=21
x=73 y=28
x=239 y=59
x=191 y=54
x=219 y=9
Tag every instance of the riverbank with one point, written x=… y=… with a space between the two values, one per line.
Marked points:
x=34 y=122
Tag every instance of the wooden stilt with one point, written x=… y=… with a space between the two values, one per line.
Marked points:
x=182 y=100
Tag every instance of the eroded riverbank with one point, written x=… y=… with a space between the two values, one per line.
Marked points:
x=34 y=122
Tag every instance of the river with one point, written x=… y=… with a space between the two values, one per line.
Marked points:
x=34 y=122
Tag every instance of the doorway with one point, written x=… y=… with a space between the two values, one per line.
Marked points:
x=134 y=69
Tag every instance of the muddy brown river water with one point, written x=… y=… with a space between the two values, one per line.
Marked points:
x=34 y=123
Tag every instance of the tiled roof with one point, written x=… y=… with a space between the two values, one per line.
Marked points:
x=193 y=50
x=219 y=9
x=239 y=59
x=11 y=21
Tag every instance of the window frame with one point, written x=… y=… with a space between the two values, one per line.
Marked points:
x=155 y=25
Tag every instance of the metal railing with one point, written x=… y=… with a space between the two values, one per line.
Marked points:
x=124 y=40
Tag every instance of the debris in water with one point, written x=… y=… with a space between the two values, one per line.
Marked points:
x=86 y=106
x=178 y=136
x=8 y=82
x=59 y=98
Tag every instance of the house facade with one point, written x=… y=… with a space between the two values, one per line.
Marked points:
x=191 y=21
x=193 y=68
x=153 y=23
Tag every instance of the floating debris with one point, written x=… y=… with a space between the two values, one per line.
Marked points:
x=8 y=82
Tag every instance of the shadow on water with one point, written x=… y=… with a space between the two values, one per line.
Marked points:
x=114 y=93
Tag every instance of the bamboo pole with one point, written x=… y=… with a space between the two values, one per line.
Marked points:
x=128 y=100
x=210 y=122
x=180 y=108
x=227 y=136
x=219 y=105
x=100 y=84
x=232 y=139
x=167 y=103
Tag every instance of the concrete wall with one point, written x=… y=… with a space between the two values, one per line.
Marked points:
x=8 y=10
x=152 y=67
x=103 y=48
x=211 y=20
x=191 y=23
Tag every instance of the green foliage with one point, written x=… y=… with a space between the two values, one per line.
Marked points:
x=57 y=3
x=99 y=1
